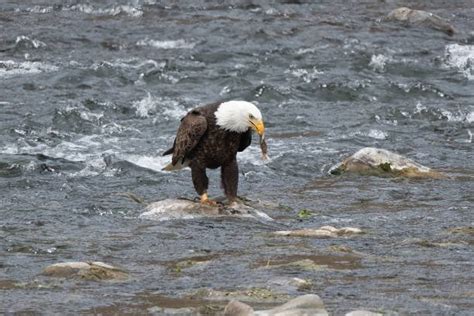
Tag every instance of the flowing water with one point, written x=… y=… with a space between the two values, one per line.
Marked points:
x=92 y=93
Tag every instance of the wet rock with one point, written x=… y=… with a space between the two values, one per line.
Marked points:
x=251 y=295
x=310 y=304
x=303 y=264
x=324 y=231
x=300 y=284
x=178 y=266
x=156 y=310
x=421 y=18
x=363 y=313
x=464 y=230
x=92 y=271
x=291 y=286
x=8 y=284
x=440 y=244
x=236 y=308
x=341 y=248
x=170 y=209
x=376 y=161
x=314 y=262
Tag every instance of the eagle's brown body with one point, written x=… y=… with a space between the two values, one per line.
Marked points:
x=202 y=144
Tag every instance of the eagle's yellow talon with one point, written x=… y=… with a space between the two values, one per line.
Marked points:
x=206 y=201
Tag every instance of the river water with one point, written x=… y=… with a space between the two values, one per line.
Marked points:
x=92 y=93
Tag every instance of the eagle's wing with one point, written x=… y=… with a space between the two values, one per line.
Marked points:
x=192 y=127
x=245 y=140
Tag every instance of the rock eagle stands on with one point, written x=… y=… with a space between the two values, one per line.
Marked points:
x=210 y=137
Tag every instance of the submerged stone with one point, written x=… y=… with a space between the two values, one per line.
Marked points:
x=376 y=161
x=313 y=262
x=92 y=271
x=422 y=18
x=251 y=295
x=170 y=209
x=303 y=264
x=465 y=230
x=324 y=231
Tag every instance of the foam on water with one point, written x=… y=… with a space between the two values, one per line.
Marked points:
x=305 y=75
x=378 y=62
x=377 y=134
x=460 y=57
x=10 y=68
x=168 y=108
x=25 y=39
x=36 y=9
x=111 y=11
x=145 y=106
x=129 y=63
x=166 y=44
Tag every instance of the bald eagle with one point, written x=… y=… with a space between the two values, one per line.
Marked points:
x=210 y=137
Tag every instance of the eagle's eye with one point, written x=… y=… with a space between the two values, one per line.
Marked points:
x=251 y=117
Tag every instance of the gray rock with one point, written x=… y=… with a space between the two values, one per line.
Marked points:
x=324 y=231
x=423 y=18
x=170 y=209
x=289 y=285
x=376 y=161
x=236 y=308
x=306 y=305
x=92 y=271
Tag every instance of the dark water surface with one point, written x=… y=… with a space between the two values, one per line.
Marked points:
x=91 y=95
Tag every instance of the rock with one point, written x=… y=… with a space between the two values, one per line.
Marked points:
x=92 y=271
x=313 y=262
x=423 y=18
x=289 y=285
x=324 y=231
x=8 y=284
x=301 y=284
x=170 y=209
x=236 y=308
x=363 y=313
x=156 y=310
x=341 y=248
x=464 y=230
x=251 y=295
x=376 y=161
x=303 y=264
x=310 y=304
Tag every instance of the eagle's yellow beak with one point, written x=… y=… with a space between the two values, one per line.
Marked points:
x=258 y=126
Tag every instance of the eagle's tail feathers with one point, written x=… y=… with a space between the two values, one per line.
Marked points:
x=169 y=151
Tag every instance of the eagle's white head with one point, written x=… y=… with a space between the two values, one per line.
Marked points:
x=239 y=116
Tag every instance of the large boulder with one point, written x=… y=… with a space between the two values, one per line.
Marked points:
x=376 y=161
x=91 y=271
x=421 y=18
x=170 y=209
